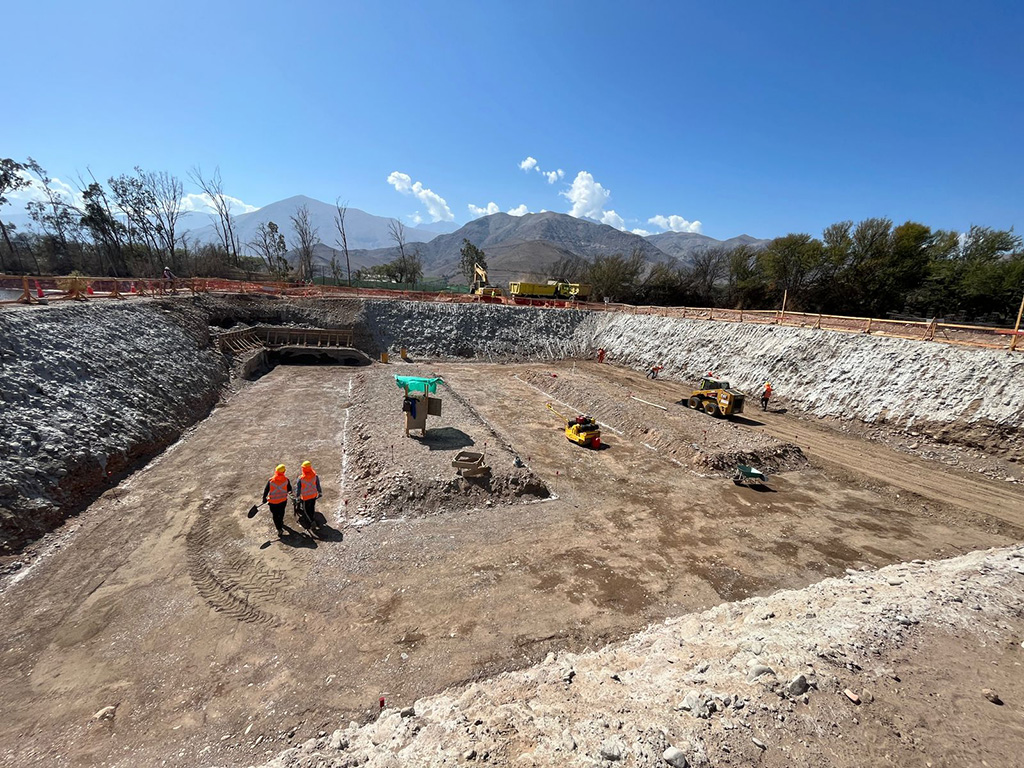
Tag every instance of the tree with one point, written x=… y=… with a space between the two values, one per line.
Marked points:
x=306 y=238
x=616 y=277
x=166 y=192
x=339 y=224
x=788 y=262
x=224 y=223
x=55 y=216
x=12 y=178
x=710 y=267
x=137 y=202
x=407 y=268
x=744 y=283
x=470 y=257
x=107 y=232
x=269 y=245
x=570 y=269
x=666 y=285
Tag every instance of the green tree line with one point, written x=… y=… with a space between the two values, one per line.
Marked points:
x=868 y=269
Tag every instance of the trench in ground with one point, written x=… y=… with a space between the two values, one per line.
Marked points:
x=198 y=623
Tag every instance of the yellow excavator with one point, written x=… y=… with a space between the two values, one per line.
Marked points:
x=582 y=430
x=481 y=287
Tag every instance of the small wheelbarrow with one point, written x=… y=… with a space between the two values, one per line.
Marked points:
x=745 y=473
x=470 y=464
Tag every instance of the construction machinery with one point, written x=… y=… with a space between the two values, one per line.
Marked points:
x=582 y=430
x=552 y=289
x=714 y=397
x=481 y=286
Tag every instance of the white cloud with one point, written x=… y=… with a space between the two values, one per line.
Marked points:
x=434 y=203
x=477 y=211
x=587 y=196
x=675 y=224
x=528 y=164
x=34 y=192
x=203 y=203
x=416 y=218
x=641 y=232
x=612 y=219
x=519 y=210
x=554 y=176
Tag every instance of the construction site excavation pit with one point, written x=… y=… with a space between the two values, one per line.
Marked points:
x=218 y=644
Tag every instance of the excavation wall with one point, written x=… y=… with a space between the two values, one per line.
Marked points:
x=955 y=393
x=90 y=390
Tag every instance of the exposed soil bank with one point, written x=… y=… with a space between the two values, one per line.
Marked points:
x=89 y=392
x=911 y=665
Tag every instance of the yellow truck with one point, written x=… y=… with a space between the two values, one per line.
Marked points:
x=552 y=289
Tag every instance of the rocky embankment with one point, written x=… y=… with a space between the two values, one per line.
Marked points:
x=88 y=392
x=951 y=393
x=835 y=674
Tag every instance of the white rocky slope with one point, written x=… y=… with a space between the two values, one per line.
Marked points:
x=771 y=674
x=947 y=389
x=826 y=373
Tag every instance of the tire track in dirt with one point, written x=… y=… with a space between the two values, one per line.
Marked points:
x=233 y=585
x=884 y=465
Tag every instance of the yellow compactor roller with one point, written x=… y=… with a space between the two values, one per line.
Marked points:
x=582 y=430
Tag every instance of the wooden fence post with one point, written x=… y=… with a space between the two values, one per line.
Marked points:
x=1016 y=327
x=785 y=295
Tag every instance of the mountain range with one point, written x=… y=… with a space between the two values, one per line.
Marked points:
x=517 y=247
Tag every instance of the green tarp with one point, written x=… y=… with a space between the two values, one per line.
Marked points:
x=417 y=383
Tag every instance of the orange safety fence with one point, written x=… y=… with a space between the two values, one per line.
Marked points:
x=50 y=288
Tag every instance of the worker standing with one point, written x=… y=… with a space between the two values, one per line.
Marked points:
x=276 y=492
x=600 y=355
x=169 y=278
x=766 y=395
x=307 y=488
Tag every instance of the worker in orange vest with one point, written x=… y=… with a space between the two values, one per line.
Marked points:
x=766 y=395
x=307 y=488
x=277 y=490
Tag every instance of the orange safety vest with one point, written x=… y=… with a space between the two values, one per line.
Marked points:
x=307 y=486
x=278 y=490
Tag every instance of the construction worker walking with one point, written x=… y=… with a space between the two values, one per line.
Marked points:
x=766 y=395
x=307 y=488
x=276 y=492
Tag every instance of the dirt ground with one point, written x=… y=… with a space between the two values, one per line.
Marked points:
x=220 y=645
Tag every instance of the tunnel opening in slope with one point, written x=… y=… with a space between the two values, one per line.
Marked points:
x=315 y=356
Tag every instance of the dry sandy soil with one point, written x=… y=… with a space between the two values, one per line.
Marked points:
x=220 y=645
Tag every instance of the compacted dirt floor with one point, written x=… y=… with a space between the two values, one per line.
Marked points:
x=218 y=644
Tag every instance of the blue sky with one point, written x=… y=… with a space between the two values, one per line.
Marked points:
x=757 y=117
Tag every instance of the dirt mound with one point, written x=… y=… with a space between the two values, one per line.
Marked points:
x=690 y=438
x=392 y=475
x=827 y=675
